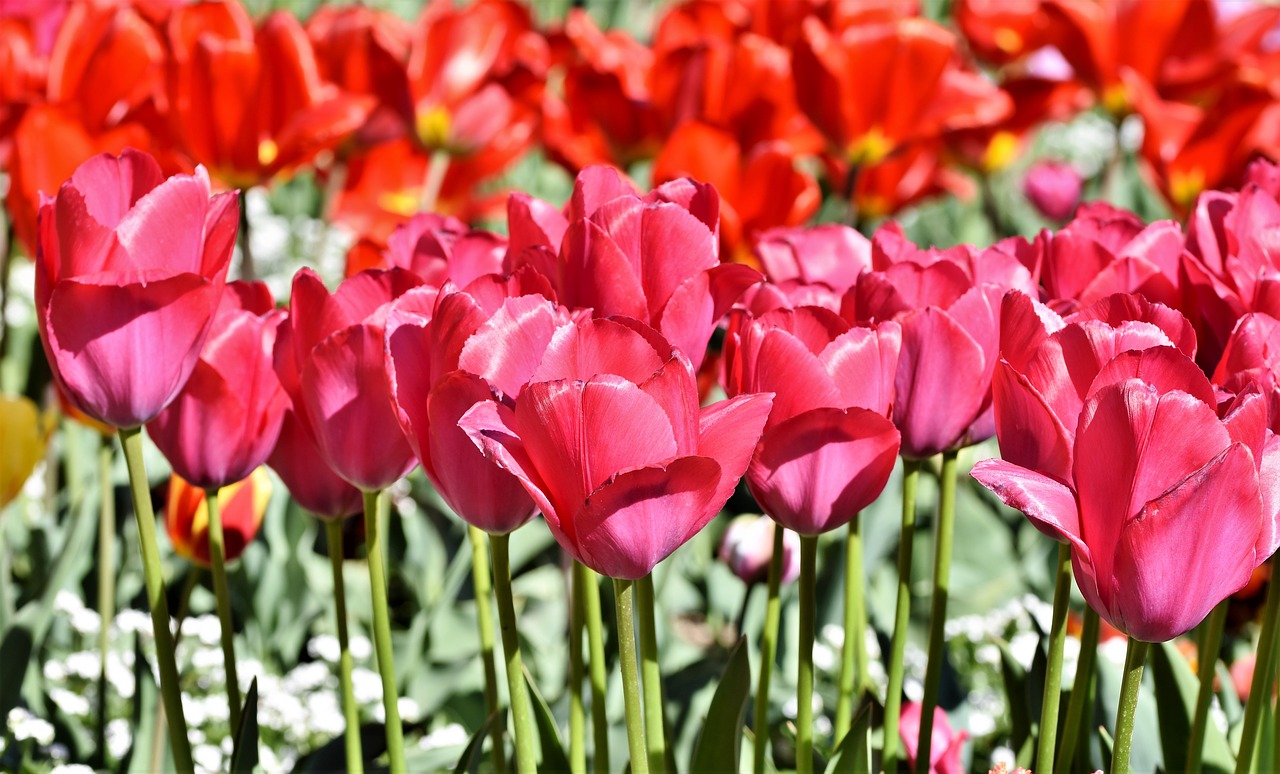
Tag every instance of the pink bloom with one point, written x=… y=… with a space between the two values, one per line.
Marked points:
x=747 y=547
x=439 y=248
x=1252 y=357
x=807 y=266
x=226 y=420
x=1054 y=189
x=609 y=441
x=1168 y=508
x=130 y=268
x=829 y=446
x=944 y=749
x=307 y=476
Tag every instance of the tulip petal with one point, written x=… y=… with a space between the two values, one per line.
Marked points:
x=786 y=367
x=1048 y=505
x=599 y=347
x=1030 y=432
x=307 y=476
x=595 y=273
x=165 y=229
x=1188 y=549
x=1025 y=324
x=508 y=348
x=727 y=433
x=940 y=386
x=815 y=471
x=863 y=363
x=1164 y=368
x=491 y=427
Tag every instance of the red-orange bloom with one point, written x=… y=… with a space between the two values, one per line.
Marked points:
x=241 y=505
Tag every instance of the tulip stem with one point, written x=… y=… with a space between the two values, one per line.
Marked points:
x=902 y=613
x=804 y=684
x=1080 y=690
x=482 y=582
x=521 y=708
x=248 y=272
x=598 y=668
x=623 y=591
x=382 y=633
x=432 y=184
x=355 y=756
x=153 y=574
x=1134 y=659
x=768 y=648
x=651 y=676
x=944 y=532
x=222 y=592
x=577 y=671
x=1053 y=670
x=1208 y=658
x=1259 y=689
x=184 y=607
x=853 y=652
x=106 y=586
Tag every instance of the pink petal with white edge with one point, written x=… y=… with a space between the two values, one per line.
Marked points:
x=112 y=185
x=599 y=347
x=728 y=432
x=1025 y=323
x=1048 y=505
x=164 y=230
x=1164 y=368
x=507 y=349
x=785 y=366
x=863 y=363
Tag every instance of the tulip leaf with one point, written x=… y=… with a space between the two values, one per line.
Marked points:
x=553 y=755
x=469 y=763
x=145 y=727
x=245 y=756
x=1176 y=689
x=332 y=755
x=720 y=742
x=853 y=755
x=15 y=649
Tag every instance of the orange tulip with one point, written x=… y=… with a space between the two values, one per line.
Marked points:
x=241 y=505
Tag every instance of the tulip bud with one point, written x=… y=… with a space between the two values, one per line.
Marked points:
x=242 y=505
x=747 y=547
x=1054 y=189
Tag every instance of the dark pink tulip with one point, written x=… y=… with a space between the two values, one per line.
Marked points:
x=1252 y=360
x=609 y=441
x=948 y=304
x=1047 y=365
x=654 y=258
x=439 y=248
x=947 y=745
x=340 y=392
x=130 y=268
x=829 y=446
x=747 y=548
x=226 y=420
x=807 y=266
x=307 y=476
x=448 y=352
x=1054 y=188
x=1169 y=508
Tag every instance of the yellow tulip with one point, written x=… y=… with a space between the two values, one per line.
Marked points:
x=22 y=441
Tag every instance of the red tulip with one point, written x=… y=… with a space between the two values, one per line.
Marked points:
x=829 y=446
x=609 y=441
x=1054 y=189
x=226 y=420
x=1047 y=365
x=445 y=355
x=747 y=548
x=947 y=302
x=330 y=360
x=129 y=273
x=241 y=506
x=1168 y=508
x=947 y=744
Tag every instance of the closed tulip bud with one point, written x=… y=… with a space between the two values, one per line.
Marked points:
x=1054 y=189
x=241 y=505
x=947 y=745
x=747 y=547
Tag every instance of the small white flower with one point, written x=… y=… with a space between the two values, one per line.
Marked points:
x=452 y=735
x=366 y=686
x=207 y=758
x=70 y=702
x=71 y=768
x=361 y=648
x=1004 y=755
x=307 y=677
x=58 y=752
x=1023 y=647
x=85 y=621
x=410 y=712
x=824 y=658
x=833 y=634
x=119 y=737
x=86 y=664
x=55 y=671
x=134 y=622
x=981 y=724
x=324 y=647
x=24 y=725
x=206 y=658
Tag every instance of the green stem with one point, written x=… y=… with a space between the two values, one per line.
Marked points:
x=577 y=671
x=898 y=648
x=1134 y=659
x=853 y=652
x=355 y=756
x=1053 y=671
x=481 y=581
x=598 y=668
x=248 y=270
x=106 y=586
x=943 y=538
x=768 y=648
x=382 y=633
x=1260 y=689
x=222 y=592
x=1208 y=658
x=623 y=591
x=651 y=676
x=521 y=708
x=153 y=575
x=184 y=605
x=1074 y=731
x=804 y=684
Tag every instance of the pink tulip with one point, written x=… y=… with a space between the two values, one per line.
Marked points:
x=130 y=268
x=829 y=446
x=1252 y=357
x=807 y=266
x=948 y=304
x=445 y=354
x=439 y=248
x=947 y=745
x=654 y=257
x=609 y=441
x=747 y=548
x=1047 y=365
x=330 y=360
x=1054 y=188
x=307 y=476
x=226 y=420
x=1169 y=508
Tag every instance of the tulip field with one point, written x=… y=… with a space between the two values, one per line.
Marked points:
x=498 y=386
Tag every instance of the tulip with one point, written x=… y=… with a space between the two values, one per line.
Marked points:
x=439 y=248
x=948 y=744
x=1054 y=189
x=309 y=479
x=1250 y=358
x=812 y=266
x=129 y=273
x=243 y=504
x=226 y=420
x=23 y=439
x=747 y=548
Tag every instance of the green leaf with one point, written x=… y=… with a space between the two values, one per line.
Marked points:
x=469 y=763
x=553 y=755
x=720 y=743
x=245 y=757
x=1176 y=689
x=853 y=756
x=15 y=649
